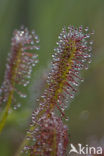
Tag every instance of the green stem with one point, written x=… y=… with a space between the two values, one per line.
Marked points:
x=5 y=113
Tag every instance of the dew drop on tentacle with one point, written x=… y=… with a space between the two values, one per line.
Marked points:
x=14 y=107
x=86 y=29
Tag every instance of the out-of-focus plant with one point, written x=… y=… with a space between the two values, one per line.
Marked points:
x=18 y=69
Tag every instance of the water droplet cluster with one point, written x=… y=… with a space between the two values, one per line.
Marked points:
x=20 y=62
x=50 y=138
x=72 y=55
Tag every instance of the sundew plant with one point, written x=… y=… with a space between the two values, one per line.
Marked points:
x=48 y=135
x=18 y=69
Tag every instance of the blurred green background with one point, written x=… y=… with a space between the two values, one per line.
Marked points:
x=48 y=17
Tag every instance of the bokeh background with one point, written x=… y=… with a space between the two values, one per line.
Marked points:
x=47 y=17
